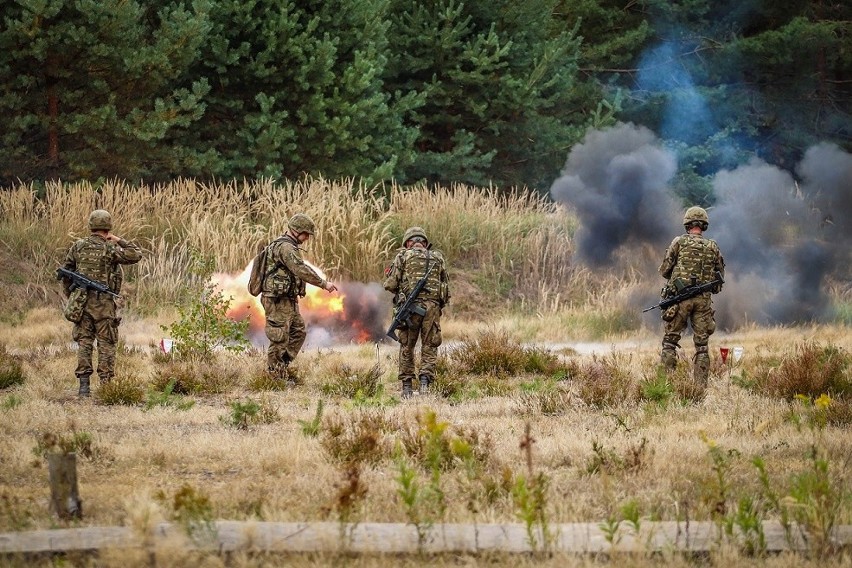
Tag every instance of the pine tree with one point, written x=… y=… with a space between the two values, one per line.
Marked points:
x=87 y=87
x=497 y=77
x=296 y=88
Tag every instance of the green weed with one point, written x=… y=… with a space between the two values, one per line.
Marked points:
x=192 y=509
x=11 y=372
x=245 y=413
x=311 y=428
x=167 y=398
x=11 y=401
x=348 y=382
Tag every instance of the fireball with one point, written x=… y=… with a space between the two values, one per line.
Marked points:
x=355 y=313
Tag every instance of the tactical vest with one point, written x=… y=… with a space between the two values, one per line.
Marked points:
x=414 y=263
x=696 y=256
x=280 y=282
x=94 y=260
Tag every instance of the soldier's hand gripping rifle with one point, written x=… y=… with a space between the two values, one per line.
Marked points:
x=80 y=281
x=687 y=293
x=408 y=307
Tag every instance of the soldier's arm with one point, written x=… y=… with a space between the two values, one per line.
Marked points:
x=294 y=263
x=69 y=264
x=126 y=252
x=394 y=274
x=670 y=259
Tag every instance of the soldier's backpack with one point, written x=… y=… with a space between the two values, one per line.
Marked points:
x=258 y=273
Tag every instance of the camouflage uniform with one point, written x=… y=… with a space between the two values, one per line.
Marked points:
x=691 y=258
x=100 y=260
x=286 y=277
x=408 y=267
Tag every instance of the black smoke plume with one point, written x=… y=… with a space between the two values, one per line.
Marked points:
x=782 y=239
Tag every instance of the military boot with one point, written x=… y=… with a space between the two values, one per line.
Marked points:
x=84 y=391
x=406 y=388
x=425 y=384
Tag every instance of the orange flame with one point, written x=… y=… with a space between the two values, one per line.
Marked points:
x=344 y=319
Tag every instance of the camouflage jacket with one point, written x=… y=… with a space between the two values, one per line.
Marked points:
x=691 y=257
x=410 y=265
x=286 y=271
x=99 y=259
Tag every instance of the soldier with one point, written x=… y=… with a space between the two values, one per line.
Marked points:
x=409 y=266
x=98 y=257
x=692 y=258
x=285 y=277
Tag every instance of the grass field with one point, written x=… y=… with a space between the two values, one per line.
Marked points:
x=549 y=407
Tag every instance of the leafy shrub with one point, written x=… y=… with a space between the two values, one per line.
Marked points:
x=204 y=325
x=120 y=390
x=607 y=460
x=436 y=445
x=349 y=382
x=811 y=370
x=11 y=373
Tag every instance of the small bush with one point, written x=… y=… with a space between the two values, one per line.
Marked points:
x=11 y=373
x=811 y=370
x=359 y=439
x=545 y=397
x=192 y=509
x=76 y=442
x=263 y=381
x=194 y=377
x=166 y=397
x=248 y=412
x=436 y=445
x=348 y=382
x=493 y=352
x=607 y=460
x=607 y=381
x=120 y=390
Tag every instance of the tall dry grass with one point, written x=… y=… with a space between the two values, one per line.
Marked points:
x=511 y=247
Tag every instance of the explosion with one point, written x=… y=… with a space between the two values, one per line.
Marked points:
x=356 y=313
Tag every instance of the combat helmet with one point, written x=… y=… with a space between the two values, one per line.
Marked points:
x=100 y=220
x=698 y=215
x=301 y=223
x=414 y=232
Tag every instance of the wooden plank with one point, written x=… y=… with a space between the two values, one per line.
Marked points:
x=402 y=538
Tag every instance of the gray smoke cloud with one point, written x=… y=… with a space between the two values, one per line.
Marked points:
x=616 y=180
x=781 y=239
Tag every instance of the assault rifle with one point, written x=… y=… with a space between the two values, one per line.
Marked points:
x=687 y=293
x=80 y=281
x=408 y=307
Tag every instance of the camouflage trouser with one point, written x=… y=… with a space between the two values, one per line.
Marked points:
x=699 y=312
x=285 y=329
x=428 y=329
x=98 y=322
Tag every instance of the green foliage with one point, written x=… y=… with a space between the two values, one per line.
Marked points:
x=496 y=352
x=311 y=428
x=546 y=397
x=91 y=90
x=204 y=324
x=120 y=390
x=192 y=509
x=166 y=397
x=245 y=413
x=11 y=372
x=10 y=402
